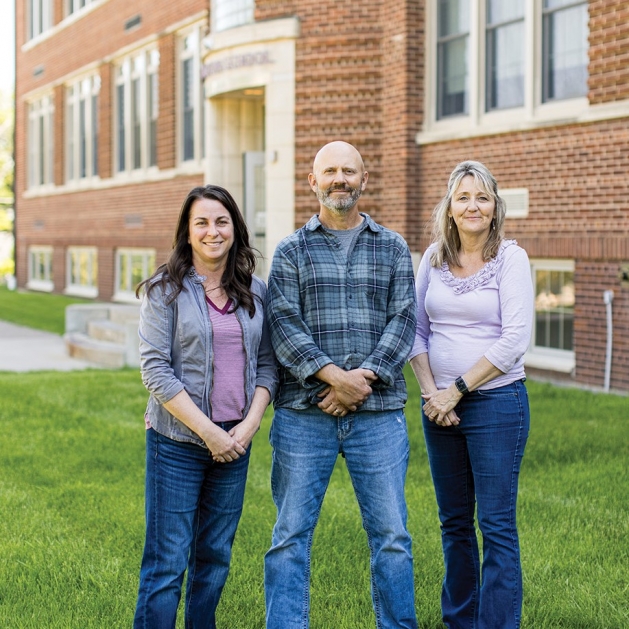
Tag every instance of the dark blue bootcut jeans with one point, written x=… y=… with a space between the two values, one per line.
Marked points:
x=476 y=465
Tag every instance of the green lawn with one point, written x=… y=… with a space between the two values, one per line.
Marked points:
x=36 y=310
x=71 y=513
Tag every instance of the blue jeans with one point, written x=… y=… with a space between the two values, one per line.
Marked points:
x=477 y=464
x=306 y=445
x=193 y=506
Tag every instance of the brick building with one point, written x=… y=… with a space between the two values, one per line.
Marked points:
x=123 y=106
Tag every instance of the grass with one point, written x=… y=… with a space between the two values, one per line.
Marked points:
x=71 y=499
x=71 y=508
x=36 y=310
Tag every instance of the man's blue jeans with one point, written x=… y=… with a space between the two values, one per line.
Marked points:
x=193 y=506
x=477 y=464
x=306 y=445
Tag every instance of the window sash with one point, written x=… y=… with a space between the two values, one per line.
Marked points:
x=132 y=267
x=82 y=265
x=82 y=128
x=554 y=308
x=231 y=13
x=137 y=94
x=40 y=142
x=40 y=267
x=564 y=50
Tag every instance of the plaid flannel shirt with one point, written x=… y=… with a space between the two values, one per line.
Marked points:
x=354 y=313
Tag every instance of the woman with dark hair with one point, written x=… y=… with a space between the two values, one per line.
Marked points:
x=207 y=362
x=474 y=316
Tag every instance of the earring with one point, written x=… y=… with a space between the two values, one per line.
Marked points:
x=450 y=223
x=493 y=224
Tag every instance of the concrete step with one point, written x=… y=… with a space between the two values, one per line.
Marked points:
x=105 y=330
x=124 y=314
x=103 y=353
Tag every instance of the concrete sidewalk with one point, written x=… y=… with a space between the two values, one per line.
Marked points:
x=24 y=349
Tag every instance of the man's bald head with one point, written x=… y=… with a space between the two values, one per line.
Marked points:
x=338 y=177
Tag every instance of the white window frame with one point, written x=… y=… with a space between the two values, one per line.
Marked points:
x=477 y=120
x=74 y=6
x=228 y=14
x=189 y=46
x=40 y=142
x=74 y=285
x=541 y=357
x=39 y=16
x=38 y=254
x=124 y=290
x=140 y=70
x=83 y=92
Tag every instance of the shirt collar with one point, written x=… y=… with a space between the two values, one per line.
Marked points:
x=314 y=223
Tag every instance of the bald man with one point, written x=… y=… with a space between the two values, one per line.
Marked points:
x=341 y=308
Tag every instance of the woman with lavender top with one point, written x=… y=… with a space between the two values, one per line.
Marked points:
x=475 y=309
x=207 y=362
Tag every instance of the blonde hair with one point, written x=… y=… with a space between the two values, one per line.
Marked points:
x=445 y=233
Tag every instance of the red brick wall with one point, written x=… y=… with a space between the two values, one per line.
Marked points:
x=609 y=51
x=358 y=78
x=93 y=218
x=166 y=126
x=98 y=34
x=577 y=181
x=590 y=328
x=105 y=121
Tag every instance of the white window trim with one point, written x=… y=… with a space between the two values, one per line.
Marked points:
x=68 y=7
x=44 y=285
x=42 y=107
x=126 y=296
x=124 y=73
x=47 y=8
x=73 y=127
x=199 y=99
x=546 y=357
x=479 y=122
x=80 y=290
x=240 y=21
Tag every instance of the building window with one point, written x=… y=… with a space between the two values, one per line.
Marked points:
x=565 y=49
x=40 y=144
x=40 y=268
x=82 y=128
x=77 y=5
x=453 y=23
x=553 y=327
x=505 y=54
x=39 y=17
x=136 y=112
x=192 y=118
x=82 y=271
x=231 y=13
x=498 y=65
x=132 y=267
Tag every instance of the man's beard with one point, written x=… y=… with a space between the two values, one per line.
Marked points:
x=340 y=205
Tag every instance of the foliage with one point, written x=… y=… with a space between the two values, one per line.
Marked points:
x=6 y=145
x=71 y=532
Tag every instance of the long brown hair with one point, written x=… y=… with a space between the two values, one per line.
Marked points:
x=445 y=232
x=241 y=260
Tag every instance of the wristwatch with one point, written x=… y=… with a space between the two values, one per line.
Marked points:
x=459 y=383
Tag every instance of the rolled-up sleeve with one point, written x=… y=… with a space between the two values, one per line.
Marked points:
x=156 y=333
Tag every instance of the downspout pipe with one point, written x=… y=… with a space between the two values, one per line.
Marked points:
x=608 y=298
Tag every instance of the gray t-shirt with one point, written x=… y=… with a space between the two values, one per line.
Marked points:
x=347 y=238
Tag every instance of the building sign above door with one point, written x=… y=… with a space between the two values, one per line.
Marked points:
x=233 y=62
